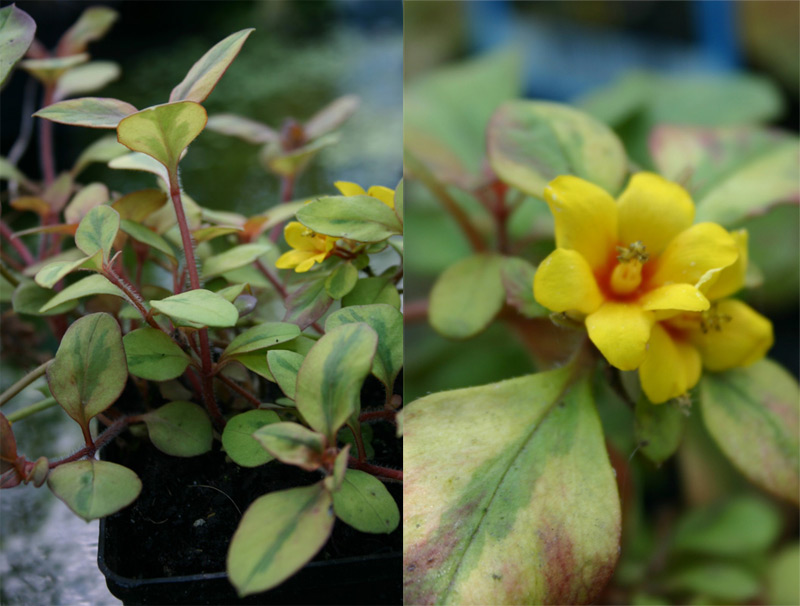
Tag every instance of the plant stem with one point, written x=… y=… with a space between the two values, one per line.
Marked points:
x=31 y=410
x=386 y=415
x=8 y=276
x=273 y=279
x=24 y=382
x=415 y=311
x=450 y=205
x=207 y=371
x=46 y=158
x=132 y=295
x=16 y=243
x=239 y=389
x=380 y=472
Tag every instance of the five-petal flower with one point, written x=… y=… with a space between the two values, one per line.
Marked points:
x=307 y=248
x=384 y=194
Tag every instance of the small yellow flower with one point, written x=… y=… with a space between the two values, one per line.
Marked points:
x=623 y=265
x=307 y=248
x=727 y=335
x=384 y=194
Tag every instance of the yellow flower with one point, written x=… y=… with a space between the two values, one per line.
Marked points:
x=727 y=335
x=308 y=248
x=384 y=194
x=620 y=263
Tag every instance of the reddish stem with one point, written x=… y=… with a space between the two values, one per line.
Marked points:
x=375 y=470
x=16 y=243
x=415 y=311
x=240 y=390
x=385 y=415
x=46 y=158
x=273 y=279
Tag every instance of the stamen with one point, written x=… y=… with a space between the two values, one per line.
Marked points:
x=627 y=275
x=711 y=319
x=637 y=250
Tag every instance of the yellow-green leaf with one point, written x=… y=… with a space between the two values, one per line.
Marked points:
x=262 y=336
x=277 y=535
x=360 y=218
x=293 y=444
x=152 y=355
x=94 y=489
x=17 y=29
x=329 y=381
x=94 y=112
x=92 y=25
x=164 y=131
x=529 y=511
x=238 y=440
x=91 y=285
x=233 y=258
x=364 y=503
x=199 y=307
x=86 y=78
x=97 y=231
x=207 y=71
x=283 y=366
x=89 y=372
x=181 y=429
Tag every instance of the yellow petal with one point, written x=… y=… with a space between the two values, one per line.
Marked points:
x=694 y=252
x=620 y=331
x=671 y=368
x=384 y=194
x=738 y=336
x=306 y=265
x=298 y=236
x=564 y=282
x=731 y=279
x=585 y=218
x=349 y=189
x=683 y=297
x=653 y=211
x=293 y=258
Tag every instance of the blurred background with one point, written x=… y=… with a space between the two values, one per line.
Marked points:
x=302 y=56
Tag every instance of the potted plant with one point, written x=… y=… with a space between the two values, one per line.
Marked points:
x=189 y=338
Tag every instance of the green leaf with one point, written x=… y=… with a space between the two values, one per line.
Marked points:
x=372 y=290
x=292 y=444
x=92 y=285
x=387 y=322
x=49 y=69
x=238 y=440
x=517 y=276
x=659 y=429
x=199 y=307
x=530 y=497
x=308 y=303
x=530 y=143
x=103 y=150
x=329 y=381
x=289 y=163
x=85 y=200
x=360 y=218
x=180 y=429
x=152 y=355
x=137 y=206
x=398 y=201
x=331 y=117
x=284 y=366
x=94 y=489
x=783 y=576
x=261 y=337
x=341 y=280
x=86 y=78
x=147 y=236
x=164 y=131
x=233 y=258
x=740 y=526
x=730 y=583
x=242 y=128
x=29 y=298
x=207 y=71
x=94 y=112
x=97 y=231
x=88 y=373
x=467 y=296
x=52 y=273
x=92 y=25
x=753 y=414
x=278 y=534
x=364 y=503
x=732 y=173
x=17 y=29
x=334 y=481
x=256 y=362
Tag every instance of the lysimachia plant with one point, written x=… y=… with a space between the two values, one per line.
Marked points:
x=190 y=306
x=521 y=491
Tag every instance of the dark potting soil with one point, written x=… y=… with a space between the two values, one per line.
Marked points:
x=189 y=508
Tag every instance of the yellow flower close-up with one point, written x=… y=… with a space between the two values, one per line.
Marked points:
x=307 y=248
x=632 y=267
x=379 y=192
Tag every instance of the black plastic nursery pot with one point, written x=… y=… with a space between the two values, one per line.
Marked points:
x=170 y=545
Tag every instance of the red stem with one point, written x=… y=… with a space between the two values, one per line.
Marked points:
x=386 y=415
x=16 y=243
x=240 y=390
x=415 y=311
x=377 y=471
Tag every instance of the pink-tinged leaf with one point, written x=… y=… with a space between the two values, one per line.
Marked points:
x=732 y=173
x=94 y=112
x=242 y=128
x=89 y=371
x=332 y=116
x=8 y=445
x=308 y=303
x=753 y=414
x=528 y=513
x=85 y=200
x=17 y=29
x=138 y=205
x=205 y=74
x=87 y=78
x=92 y=25
x=50 y=69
